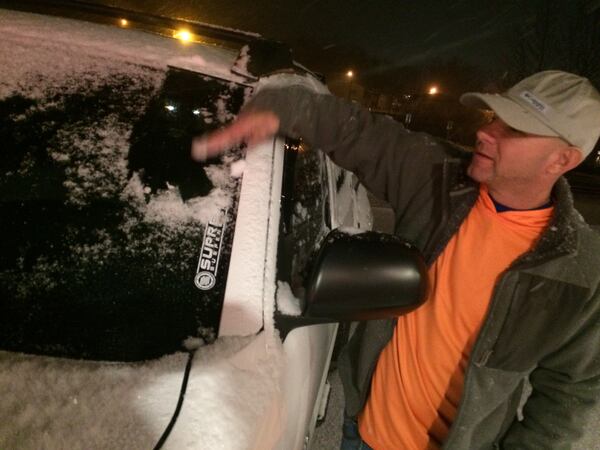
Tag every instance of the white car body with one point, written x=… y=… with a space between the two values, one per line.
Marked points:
x=246 y=390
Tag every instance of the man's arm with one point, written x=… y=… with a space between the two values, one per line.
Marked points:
x=392 y=162
x=566 y=387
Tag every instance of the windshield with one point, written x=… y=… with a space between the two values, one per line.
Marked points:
x=104 y=214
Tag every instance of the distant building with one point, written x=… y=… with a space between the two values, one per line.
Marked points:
x=348 y=89
x=439 y=114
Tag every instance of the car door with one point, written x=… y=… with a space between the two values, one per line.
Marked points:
x=351 y=207
x=317 y=196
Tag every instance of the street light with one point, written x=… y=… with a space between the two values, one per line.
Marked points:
x=433 y=90
x=183 y=35
x=350 y=76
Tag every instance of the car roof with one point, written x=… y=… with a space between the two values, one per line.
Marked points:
x=111 y=15
x=128 y=44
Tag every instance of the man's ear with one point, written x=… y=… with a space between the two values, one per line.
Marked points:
x=567 y=158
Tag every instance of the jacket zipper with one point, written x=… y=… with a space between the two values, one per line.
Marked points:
x=482 y=357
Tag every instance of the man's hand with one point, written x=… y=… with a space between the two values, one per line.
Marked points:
x=251 y=128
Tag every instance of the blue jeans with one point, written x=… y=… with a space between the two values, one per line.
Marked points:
x=351 y=439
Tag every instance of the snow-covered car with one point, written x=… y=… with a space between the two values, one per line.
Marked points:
x=147 y=299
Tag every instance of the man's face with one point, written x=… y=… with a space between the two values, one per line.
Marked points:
x=506 y=158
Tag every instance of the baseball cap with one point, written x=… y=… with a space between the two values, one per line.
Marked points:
x=549 y=103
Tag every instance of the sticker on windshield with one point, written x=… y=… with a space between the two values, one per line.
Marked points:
x=206 y=274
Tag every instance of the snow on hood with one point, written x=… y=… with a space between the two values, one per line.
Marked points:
x=231 y=389
x=129 y=405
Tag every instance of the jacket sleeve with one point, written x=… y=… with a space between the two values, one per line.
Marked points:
x=392 y=162
x=565 y=390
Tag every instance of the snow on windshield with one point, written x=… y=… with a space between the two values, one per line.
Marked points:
x=168 y=208
x=97 y=154
x=93 y=153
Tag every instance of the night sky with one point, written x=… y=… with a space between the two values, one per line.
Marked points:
x=380 y=36
x=400 y=32
x=404 y=32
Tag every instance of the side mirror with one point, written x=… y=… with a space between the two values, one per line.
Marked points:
x=361 y=277
x=365 y=276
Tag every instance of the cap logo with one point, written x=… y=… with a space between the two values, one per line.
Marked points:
x=534 y=101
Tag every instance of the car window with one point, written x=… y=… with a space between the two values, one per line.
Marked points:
x=305 y=213
x=344 y=182
x=114 y=243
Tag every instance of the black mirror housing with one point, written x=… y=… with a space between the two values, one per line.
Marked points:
x=365 y=276
x=358 y=277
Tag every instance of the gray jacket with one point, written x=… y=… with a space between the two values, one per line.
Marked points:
x=543 y=322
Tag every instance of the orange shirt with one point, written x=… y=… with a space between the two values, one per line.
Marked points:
x=418 y=381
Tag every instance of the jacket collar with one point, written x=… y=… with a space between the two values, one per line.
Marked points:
x=560 y=237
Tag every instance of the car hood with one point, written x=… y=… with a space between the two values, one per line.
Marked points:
x=118 y=405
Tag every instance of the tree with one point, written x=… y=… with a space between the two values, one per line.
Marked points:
x=453 y=76
x=557 y=34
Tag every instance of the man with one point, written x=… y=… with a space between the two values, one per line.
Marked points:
x=514 y=269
